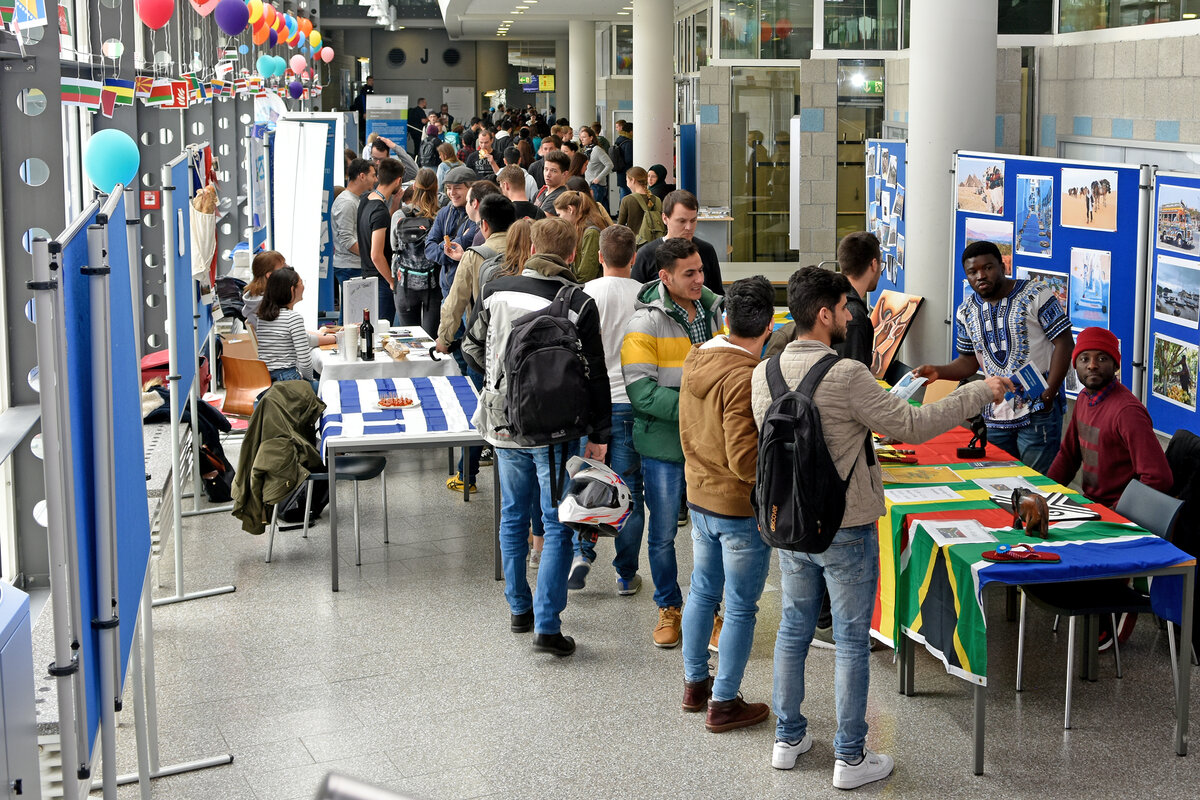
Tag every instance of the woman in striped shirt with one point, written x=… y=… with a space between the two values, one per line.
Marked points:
x=282 y=340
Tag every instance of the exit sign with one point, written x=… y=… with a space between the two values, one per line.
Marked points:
x=873 y=87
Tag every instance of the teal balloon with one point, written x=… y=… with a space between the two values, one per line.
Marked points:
x=110 y=158
x=265 y=65
x=280 y=65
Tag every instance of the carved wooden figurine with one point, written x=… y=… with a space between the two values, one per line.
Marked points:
x=1031 y=512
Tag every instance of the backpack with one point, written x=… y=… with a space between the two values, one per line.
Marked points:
x=799 y=499
x=428 y=154
x=412 y=269
x=652 y=226
x=617 y=155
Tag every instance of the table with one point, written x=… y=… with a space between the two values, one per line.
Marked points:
x=333 y=365
x=936 y=592
x=353 y=423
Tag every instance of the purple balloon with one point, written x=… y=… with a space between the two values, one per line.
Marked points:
x=295 y=89
x=272 y=37
x=232 y=16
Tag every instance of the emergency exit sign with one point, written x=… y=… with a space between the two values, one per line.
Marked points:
x=873 y=87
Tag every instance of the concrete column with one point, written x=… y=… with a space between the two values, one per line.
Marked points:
x=653 y=87
x=491 y=72
x=952 y=106
x=562 y=78
x=581 y=39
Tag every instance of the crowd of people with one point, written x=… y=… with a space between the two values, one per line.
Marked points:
x=681 y=370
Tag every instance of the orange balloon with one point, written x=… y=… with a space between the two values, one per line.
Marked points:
x=305 y=25
x=261 y=34
x=269 y=14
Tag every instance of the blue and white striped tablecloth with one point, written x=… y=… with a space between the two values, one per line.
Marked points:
x=447 y=404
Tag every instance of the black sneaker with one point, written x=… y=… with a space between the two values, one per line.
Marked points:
x=487 y=457
x=522 y=623
x=554 y=643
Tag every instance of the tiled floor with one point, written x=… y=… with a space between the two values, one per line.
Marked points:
x=409 y=678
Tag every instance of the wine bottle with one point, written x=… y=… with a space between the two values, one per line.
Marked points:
x=366 y=337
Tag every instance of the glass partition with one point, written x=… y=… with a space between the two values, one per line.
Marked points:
x=1090 y=15
x=754 y=29
x=861 y=24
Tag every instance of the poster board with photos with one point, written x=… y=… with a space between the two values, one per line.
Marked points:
x=887 y=179
x=1173 y=302
x=1071 y=224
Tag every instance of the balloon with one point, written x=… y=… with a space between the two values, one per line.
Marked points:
x=268 y=13
x=243 y=49
x=295 y=40
x=290 y=22
x=305 y=25
x=280 y=65
x=295 y=89
x=261 y=33
x=265 y=65
x=314 y=38
x=766 y=31
x=272 y=38
x=327 y=54
x=155 y=13
x=255 y=7
x=110 y=157
x=232 y=16
x=298 y=62
x=783 y=27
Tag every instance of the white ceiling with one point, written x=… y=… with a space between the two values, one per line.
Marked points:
x=481 y=19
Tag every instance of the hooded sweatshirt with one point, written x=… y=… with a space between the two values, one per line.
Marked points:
x=717 y=430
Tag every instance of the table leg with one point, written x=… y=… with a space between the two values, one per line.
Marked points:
x=910 y=654
x=1185 y=663
x=901 y=646
x=496 y=519
x=331 y=452
x=980 y=708
x=450 y=460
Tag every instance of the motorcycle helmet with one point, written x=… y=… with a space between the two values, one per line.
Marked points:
x=597 y=501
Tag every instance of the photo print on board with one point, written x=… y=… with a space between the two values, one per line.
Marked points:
x=1057 y=281
x=893 y=170
x=1178 y=215
x=1091 y=285
x=997 y=231
x=1088 y=199
x=980 y=183
x=1174 y=371
x=1035 y=215
x=1177 y=291
x=898 y=204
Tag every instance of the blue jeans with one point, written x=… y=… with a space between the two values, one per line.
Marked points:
x=387 y=304
x=1037 y=443
x=290 y=374
x=850 y=568
x=626 y=462
x=729 y=556
x=600 y=194
x=524 y=480
x=664 y=492
x=473 y=453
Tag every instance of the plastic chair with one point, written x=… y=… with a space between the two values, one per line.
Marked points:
x=245 y=380
x=350 y=468
x=1152 y=510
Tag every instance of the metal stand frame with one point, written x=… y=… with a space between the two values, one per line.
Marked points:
x=170 y=256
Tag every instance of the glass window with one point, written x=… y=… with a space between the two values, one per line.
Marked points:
x=1026 y=17
x=861 y=24
x=766 y=28
x=700 y=44
x=1090 y=15
x=623 y=49
x=763 y=103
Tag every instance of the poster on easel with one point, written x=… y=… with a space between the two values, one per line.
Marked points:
x=1071 y=225
x=1173 y=303
x=887 y=181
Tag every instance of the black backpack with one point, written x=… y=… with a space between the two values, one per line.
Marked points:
x=799 y=499
x=617 y=154
x=413 y=270
x=427 y=155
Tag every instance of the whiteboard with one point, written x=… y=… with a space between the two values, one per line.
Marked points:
x=460 y=100
x=357 y=294
x=299 y=161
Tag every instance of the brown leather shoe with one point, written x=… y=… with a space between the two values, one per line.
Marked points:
x=696 y=694
x=726 y=715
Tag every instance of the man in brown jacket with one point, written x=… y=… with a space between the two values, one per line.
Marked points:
x=720 y=449
x=852 y=405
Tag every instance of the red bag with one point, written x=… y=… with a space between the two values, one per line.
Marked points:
x=154 y=365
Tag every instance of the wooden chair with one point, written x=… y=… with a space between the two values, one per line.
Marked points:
x=245 y=380
x=239 y=345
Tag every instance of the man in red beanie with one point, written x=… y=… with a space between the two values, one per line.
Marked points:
x=1109 y=427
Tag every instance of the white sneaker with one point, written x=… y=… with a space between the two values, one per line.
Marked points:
x=784 y=754
x=873 y=767
x=577 y=577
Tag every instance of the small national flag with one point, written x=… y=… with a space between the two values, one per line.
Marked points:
x=180 y=91
x=108 y=101
x=141 y=85
x=240 y=85
x=160 y=93
x=80 y=92
x=6 y=13
x=123 y=89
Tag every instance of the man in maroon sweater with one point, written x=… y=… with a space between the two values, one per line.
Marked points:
x=1110 y=436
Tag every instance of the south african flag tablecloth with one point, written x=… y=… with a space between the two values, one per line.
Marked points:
x=935 y=593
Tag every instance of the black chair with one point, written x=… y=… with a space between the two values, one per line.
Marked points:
x=1183 y=455
x=1152 y=510
x=350 y=468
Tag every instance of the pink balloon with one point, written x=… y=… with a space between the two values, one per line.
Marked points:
x=298 y=63
x=327 y=54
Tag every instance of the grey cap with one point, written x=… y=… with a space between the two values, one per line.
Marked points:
x=461 y=175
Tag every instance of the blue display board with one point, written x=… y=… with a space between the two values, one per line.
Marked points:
x=1071 y=224
x=184 y=301
x=887 y=179
x=132 y=515
x=1173 y=303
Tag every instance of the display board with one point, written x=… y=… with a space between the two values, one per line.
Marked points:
x=132 y=515
x=387 y=115
x=1071 y=224
x=887 y=179
x=299 y=154
x=1173 y=303
x=185 y=288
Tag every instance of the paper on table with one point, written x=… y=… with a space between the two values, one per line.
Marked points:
x=1005 y=486
x=957 y=531
x=907 y=386
x=920 y=475
x=922 y=494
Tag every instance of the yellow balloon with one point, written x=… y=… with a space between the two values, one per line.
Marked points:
x=256 y=10
x=314 y=38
